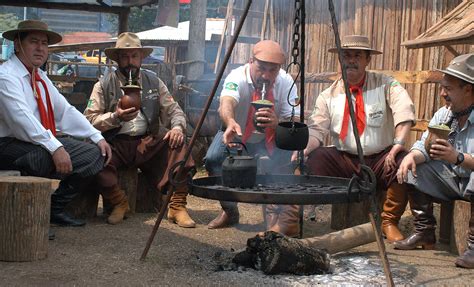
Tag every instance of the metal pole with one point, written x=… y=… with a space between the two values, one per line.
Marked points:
x=373 y=214
x=196 y=130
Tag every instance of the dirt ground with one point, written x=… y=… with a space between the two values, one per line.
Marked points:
x=106 y=255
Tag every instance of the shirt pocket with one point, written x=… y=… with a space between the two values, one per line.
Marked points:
x=375 y=115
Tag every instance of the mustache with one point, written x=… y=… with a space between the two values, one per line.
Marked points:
x=352 y=66
x=126 y=70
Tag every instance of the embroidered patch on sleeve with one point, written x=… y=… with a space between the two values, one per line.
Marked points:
x=231 y=86
x=395 y=83
x=89 y=103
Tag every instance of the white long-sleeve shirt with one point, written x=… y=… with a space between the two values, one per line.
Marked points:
x=19 y=114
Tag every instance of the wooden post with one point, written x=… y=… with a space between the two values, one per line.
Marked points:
x=24 y=220
x=148 y=198
x=460 y=226
x=197 y=39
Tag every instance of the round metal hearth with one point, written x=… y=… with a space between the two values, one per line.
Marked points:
x=282 y=189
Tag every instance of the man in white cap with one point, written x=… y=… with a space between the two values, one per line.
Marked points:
x=242 y=86
x=384 y=114
x=150 y=137
x=37 y=123
x=444 y=171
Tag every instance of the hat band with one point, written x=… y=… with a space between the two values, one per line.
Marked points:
x=460 y=74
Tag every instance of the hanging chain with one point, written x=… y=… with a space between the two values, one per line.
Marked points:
x=295 y=53
x=296 y=34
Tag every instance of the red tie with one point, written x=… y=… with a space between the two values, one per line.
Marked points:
x=360 y=112
x=249 y=127
x=47 y=117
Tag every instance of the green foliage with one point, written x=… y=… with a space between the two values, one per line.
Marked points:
x=8 y=21
x=142 y=19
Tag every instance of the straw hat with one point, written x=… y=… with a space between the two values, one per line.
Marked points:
x=461 y=67
x=126 y=41
x=269 y=51
x=33 y=26
x=356 y=42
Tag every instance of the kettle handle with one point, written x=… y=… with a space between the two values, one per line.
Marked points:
x=239 y=152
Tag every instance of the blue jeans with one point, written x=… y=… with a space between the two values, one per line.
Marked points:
x=216 y=154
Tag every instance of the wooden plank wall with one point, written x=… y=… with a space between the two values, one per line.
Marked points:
x=386 y=22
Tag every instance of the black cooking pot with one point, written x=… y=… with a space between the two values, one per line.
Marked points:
x=239 y=170
x=291 y=135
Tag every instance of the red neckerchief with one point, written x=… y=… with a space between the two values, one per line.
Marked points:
x=47 y=117
x=360 y=111
x=249 y=127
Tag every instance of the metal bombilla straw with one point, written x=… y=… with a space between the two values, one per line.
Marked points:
x=264 y=91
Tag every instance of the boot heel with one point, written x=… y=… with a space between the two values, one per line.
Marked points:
x=430 y=246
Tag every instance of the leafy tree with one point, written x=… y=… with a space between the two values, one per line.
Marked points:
x=142 y=19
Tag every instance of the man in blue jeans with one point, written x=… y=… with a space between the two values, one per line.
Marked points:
x=262 y=75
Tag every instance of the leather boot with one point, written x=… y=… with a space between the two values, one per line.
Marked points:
x=118 y=200
x=67 y=190
x=425 y=223
x=393 y=208
x=177 y=212
x=467 y=259
x=229 y=216
x=287 y=221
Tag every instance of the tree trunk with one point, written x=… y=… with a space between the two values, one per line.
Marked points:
x=24 y=221
x=197 y=39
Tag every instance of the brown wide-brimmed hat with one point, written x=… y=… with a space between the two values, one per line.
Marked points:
x=127 y=40
x=461 y=67
x=356 y=42
x=33 y=26
x=269 y=51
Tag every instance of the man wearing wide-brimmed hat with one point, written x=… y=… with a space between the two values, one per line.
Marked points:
x=150 y=136
x=384 y=114
x=261 y=78
x=444 y=171
x=35 y=118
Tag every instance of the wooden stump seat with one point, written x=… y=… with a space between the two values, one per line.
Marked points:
x=141 y=196
x=24 y=219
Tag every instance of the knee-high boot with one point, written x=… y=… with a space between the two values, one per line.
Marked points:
x=467 y=259
x=425 y=223
x=228 y=216
x=177 y=212
x=283 y=219
x=66 y=192
x=118 y=202
x=393 y=208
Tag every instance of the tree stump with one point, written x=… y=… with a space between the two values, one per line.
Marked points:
x=128 y=180
x=347 y=215
x=84 y=205
x=148 y=198
x=460 y=226
x=24 y=217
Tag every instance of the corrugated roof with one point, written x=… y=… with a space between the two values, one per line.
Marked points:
x=455 y=28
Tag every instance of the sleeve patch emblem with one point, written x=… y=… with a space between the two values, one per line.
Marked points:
x=231 y=86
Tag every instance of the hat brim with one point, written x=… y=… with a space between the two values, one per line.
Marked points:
x=372 y=51
x=112 y=53
x=53 y=37
x=456 y=74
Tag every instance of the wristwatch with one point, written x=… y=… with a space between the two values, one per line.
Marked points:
x=459 y=159
x=398 y=141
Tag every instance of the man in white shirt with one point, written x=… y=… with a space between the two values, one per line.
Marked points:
x=242 y=86
x=35 y=120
